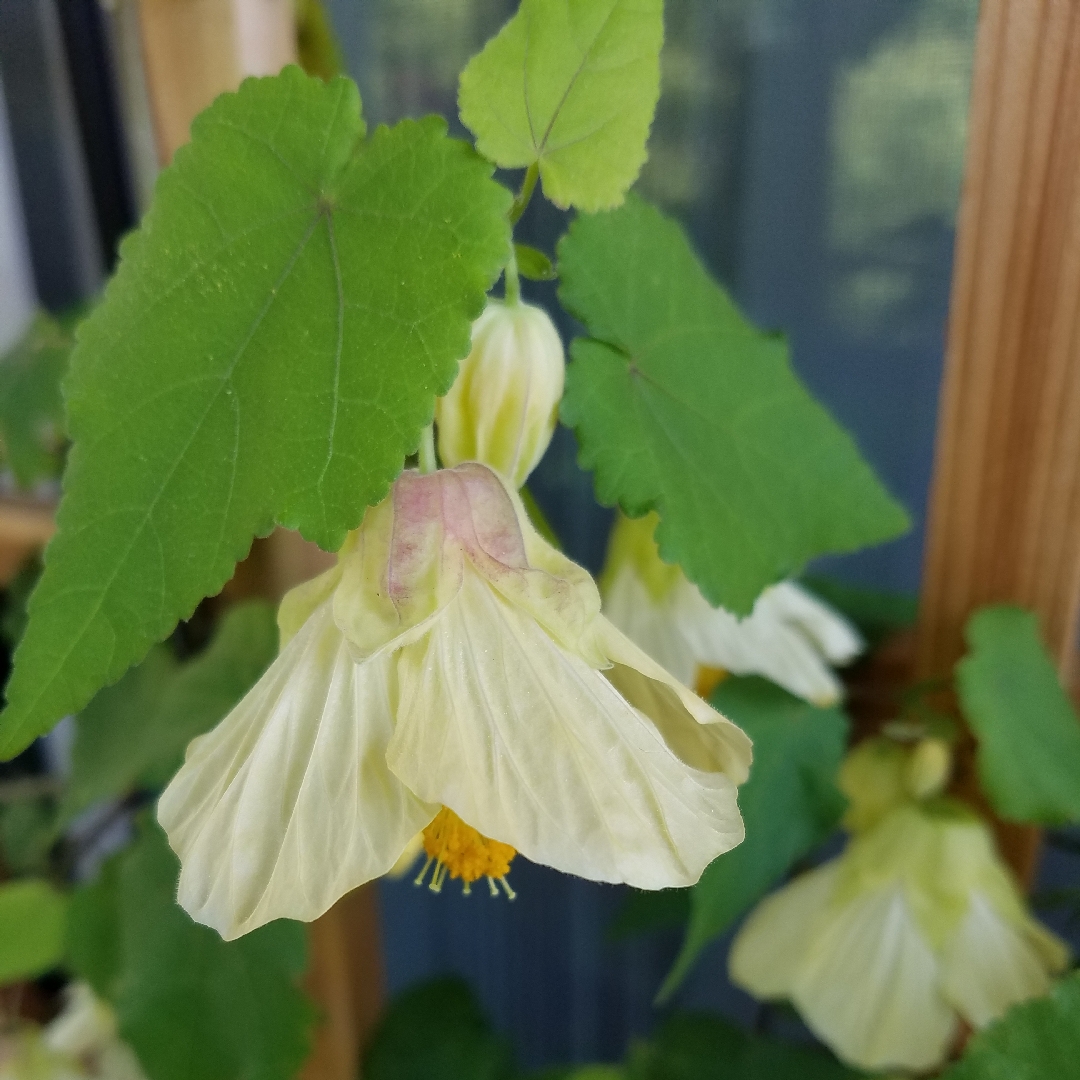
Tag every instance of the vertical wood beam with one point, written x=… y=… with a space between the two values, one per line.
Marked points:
x=193 y=51
x=197 y=49
x=1004 y=520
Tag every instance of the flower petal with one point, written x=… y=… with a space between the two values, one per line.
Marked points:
x=287 y=804
x=401 y=571
x=300 y=602
x=527 y=743
x=766 y=953
x=653 y=624
x=691 y=727
x=988 y=966
x=761 y=644
x=832 y=635
x=868 y=986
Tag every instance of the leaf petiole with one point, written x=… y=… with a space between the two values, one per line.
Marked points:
x=528 y=185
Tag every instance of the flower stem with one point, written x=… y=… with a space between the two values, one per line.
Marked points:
x=428 y=462
x=511 y=281
x=528 y=185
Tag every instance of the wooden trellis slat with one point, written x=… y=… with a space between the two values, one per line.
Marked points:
x=1004 y=520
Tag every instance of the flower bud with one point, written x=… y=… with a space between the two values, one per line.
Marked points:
x=502 y=408
x=928 y=768
x=872 y=777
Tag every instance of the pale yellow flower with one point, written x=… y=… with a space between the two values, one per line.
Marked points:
x=452 y=658
x=80 y=1044
x=883 y=950
x=790 y=637
x=503 y=405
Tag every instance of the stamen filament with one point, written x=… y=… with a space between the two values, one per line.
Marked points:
x=459 y=851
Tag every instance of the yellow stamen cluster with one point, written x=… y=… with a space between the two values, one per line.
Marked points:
x=459 y=851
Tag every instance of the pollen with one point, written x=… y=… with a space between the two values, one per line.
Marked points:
x=459 y=851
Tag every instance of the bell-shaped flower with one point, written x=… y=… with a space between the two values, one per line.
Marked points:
x=915 y=927
x=451 y=659
x=81 y=1043
x=503 y=405
x=790 y=637
x=24 y=1056
x=85 y=1031
x=881 y=773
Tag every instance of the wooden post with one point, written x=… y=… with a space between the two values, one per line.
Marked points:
x=197 y=49
x=1004 y=521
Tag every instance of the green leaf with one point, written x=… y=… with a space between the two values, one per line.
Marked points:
x=1029 y=735
x=877 y=613
x=32 y=924
x=534 y=264
x=28 y=831
x=133 y=734
x=31 y=405
x=94 y=937
x=436 y=1031
x=790 y=804
x=695 y=1046
x=644 y=912
x=269 y=350
x=188 y=1003
x=681 y=406
x=1038 y=1040
x=569 y=85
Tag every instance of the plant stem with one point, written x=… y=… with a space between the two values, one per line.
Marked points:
x=428 y=461
x=511 y=281
x=532 y=174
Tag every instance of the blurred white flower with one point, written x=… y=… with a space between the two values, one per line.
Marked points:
x=790 y=637
x=80 y=1044
x=503 y=405
x=883 y=950
x=452 y=658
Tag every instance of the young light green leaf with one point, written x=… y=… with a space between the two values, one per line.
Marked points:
x=790 y=804
x=681 y=406
x=188 y=1003
x=133 y=733
x=570 y=86
x=32 y=926
x=1038 y=1040
x=436 y=1031
x=31 y=405
x=1029 y=734
x=269 y=350
x=534 y=264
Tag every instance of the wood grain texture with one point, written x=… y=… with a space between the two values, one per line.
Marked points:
x=197 y=49
x=346 y=979
x=193 y=51
x=25 y=528
x=1004 y=520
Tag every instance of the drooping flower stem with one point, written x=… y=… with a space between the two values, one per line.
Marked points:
x=428 y=461
x=512 y=283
